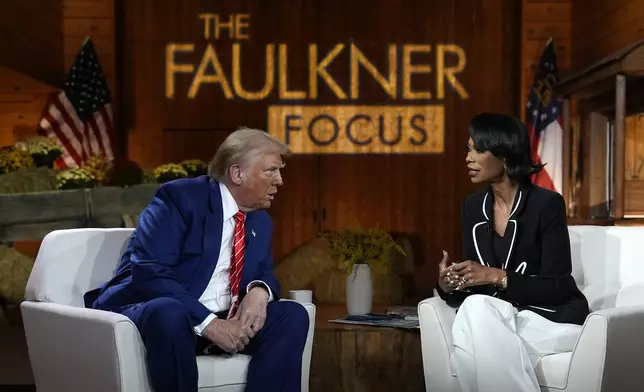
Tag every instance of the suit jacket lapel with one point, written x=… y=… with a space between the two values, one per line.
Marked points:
x=212 y=230
x=251 y=254
x=483 y=231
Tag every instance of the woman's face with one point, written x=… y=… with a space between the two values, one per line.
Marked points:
x=482 y=166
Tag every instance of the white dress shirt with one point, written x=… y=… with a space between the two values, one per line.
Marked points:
x=217 y=296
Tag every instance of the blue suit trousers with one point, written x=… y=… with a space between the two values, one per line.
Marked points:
x=172 y=346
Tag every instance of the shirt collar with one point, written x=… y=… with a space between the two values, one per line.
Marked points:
x=229 y=204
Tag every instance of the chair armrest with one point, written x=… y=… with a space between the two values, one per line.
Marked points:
x=78 y=349
x=608 y=351
x=308 y=347
x=436 y=319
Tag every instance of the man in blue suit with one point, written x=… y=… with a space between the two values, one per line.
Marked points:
x=197 y=275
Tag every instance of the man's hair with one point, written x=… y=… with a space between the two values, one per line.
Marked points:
x=240 y=147
x=506 y=137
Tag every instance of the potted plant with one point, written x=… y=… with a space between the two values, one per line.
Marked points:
x=169 y=172
x=13 y=159
x=195 y=167
x=74 y=178
x=43 y=150
x=359 y=251
x=98 y=167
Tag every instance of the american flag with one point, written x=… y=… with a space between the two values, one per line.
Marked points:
x=80 y=116
x=544 y=120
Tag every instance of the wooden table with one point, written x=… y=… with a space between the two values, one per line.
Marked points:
x=355 y=358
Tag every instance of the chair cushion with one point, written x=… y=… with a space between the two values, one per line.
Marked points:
x=630 y=296
x=552 y=370
x=216 y=371
x=72 y=262
x=592 y=247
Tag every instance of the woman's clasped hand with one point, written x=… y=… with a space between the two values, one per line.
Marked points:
x=468 y=273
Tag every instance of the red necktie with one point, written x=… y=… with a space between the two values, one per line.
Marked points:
x=237 y=261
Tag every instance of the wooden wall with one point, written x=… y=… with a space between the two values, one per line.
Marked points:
x=31 y=62
x=39 y=41
x=413 y=194
x=94 y=18
x=541 y=20
x=601 y=27
x=31 y=38
x=22 y=101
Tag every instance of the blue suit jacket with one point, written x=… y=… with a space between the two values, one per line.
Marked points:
x=174 y=250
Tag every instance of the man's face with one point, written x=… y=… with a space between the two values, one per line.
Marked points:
x=259 y=181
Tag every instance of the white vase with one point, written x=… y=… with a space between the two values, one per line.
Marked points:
x=359 y=290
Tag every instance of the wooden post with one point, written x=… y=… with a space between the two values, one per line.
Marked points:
x=597 y=160
x=567 y=154
x=619 y=143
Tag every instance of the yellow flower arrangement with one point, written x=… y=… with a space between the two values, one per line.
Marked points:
x=40 y=145
x=12 y=159
x=98 y=167
x=43 y=150
x=169 y=172
x=362 y=246
x=74 y=178
x=195 y=167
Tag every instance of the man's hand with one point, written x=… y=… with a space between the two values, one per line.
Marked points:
x=471 y=273
x=230 y=335
x=446 y=280
x=252 y=309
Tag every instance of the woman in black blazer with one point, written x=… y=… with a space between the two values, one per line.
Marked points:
x=517 y=300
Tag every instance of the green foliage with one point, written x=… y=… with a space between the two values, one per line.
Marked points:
x=40 y=145
x=99 y=168
x=195 y=167
x=41 y=179
x=75 y=178
x=43 y=150
x=362 y=246
x=12 y=159
x=169 y=172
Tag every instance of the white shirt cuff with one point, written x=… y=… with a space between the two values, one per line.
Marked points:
x=199 y=328
x=258 y=282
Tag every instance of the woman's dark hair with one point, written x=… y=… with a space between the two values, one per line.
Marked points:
x=506 y=138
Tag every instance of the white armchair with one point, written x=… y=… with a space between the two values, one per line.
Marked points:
x=608 y=265
x=74 y=349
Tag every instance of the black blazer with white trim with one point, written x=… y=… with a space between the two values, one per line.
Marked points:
x=538 y=263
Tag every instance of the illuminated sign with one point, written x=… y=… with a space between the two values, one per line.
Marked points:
x=353 y=125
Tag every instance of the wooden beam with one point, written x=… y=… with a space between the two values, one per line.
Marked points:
x=583 y=193
x=584 y=84
x=619 y=146
x=627 y=61
x=597 y=159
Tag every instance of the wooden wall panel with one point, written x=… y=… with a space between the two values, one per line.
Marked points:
x=634 y=166
x=413 y=194
x=601 y=27
x=541 y=20
x=31 y=38
x=94 y=18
